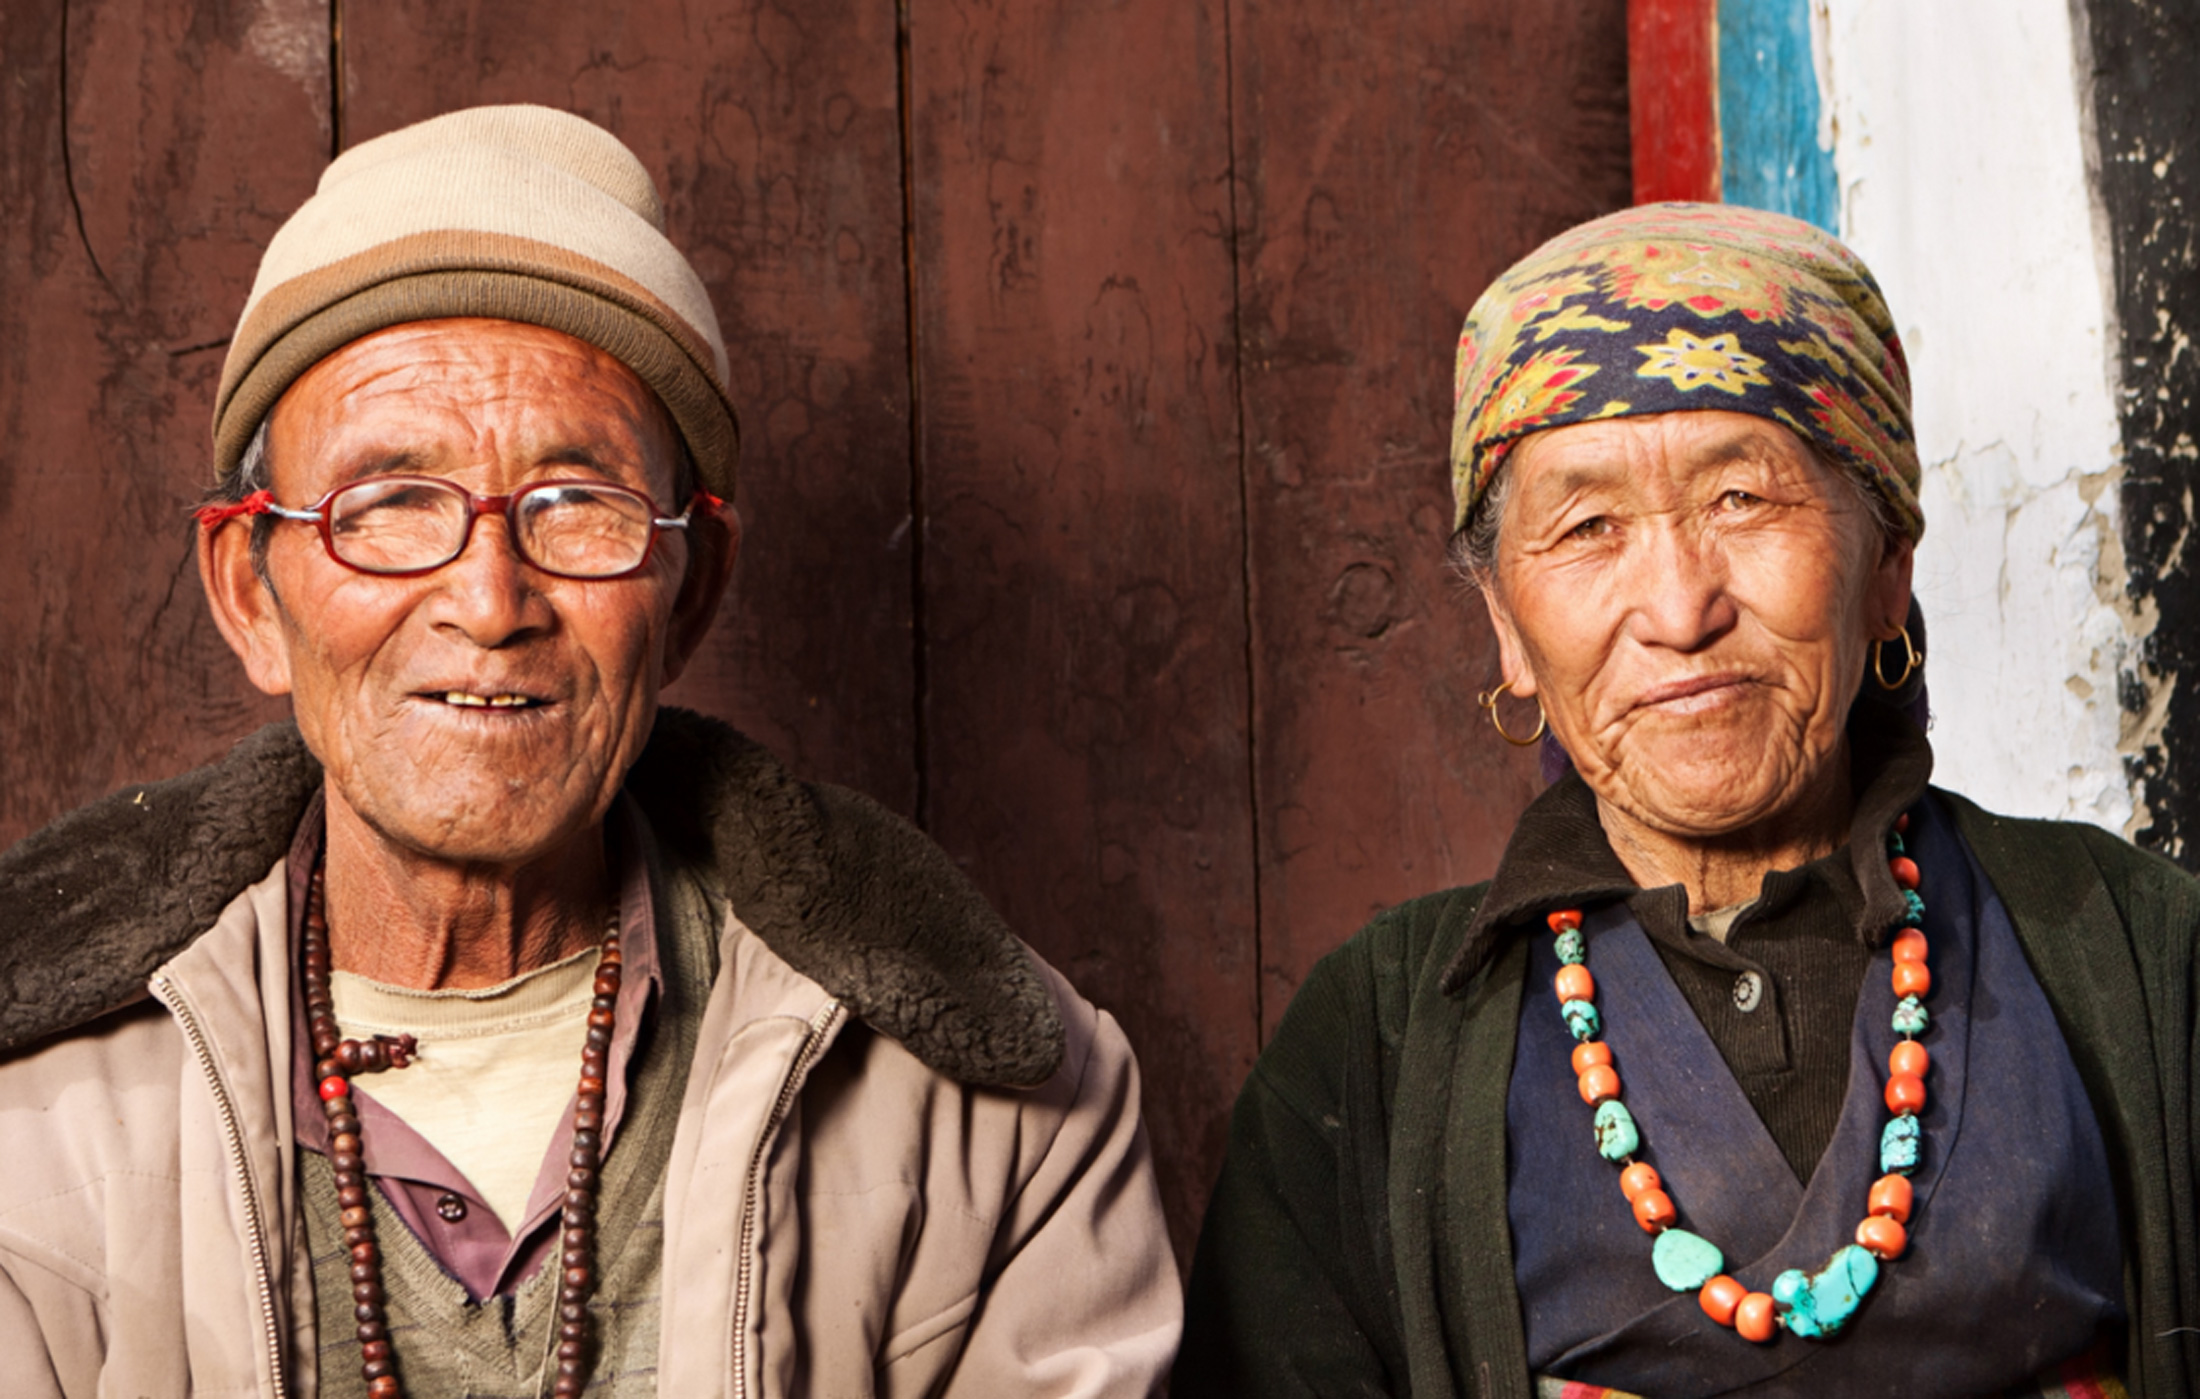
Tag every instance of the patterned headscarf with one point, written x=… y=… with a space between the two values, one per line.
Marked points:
x=1677 y=307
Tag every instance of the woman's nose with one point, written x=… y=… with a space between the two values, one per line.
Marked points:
x=1679 y=587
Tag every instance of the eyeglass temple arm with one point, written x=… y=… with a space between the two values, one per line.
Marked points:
x=703 y=503
x=215 y=514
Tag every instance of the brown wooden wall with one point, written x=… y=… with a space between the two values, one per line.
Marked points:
x=1095 y=369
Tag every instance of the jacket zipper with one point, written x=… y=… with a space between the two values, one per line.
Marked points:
x=256 y=1228
x=820 y=1032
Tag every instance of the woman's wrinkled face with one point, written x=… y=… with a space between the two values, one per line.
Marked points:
x=1691 y=598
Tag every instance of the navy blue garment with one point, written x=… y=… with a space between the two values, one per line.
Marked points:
x=2014 y=1263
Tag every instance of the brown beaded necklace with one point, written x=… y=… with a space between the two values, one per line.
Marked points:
x=336 y=1059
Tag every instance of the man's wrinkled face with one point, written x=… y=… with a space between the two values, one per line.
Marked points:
x=485 y=712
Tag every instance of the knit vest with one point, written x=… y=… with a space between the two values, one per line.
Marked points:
x=500 y=1348
x=2014 y=1263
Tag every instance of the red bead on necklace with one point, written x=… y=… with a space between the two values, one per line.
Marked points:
x=336 y=1059
x=1809 y=1305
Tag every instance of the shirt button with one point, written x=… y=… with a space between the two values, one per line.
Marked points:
x=1749 y=991
x=453 y=1208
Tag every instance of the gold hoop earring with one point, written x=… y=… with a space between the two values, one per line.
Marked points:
x=1912 y=658
x=1488 y=700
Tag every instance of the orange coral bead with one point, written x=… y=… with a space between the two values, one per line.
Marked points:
x=1753 y=1317
x=1565 y=920
x=1905 y=1093
x=1908 y=1057
x=1892 y=1196
x=1882 y=1237
x=1575 y=984
x=1904 y=870
x=1909 y=946
x=1590 y=1053
x=1902 y=823
x=1599 y=1083
x=1910 y=978
x=1638 y=1178
x=1720 y=1297
x=1654 y=1211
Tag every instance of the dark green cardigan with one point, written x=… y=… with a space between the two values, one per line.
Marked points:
x=1357 y=1243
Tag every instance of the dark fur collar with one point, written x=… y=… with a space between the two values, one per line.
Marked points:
x=849 y=894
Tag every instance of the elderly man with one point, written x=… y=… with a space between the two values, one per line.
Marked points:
x=491 y=1031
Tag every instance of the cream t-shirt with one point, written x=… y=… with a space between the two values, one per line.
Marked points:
x=494 y=1072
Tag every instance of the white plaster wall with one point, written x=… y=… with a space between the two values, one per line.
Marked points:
x=1958 y=141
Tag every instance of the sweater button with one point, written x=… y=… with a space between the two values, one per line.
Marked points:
x=1749 y=992
x=451 y=1207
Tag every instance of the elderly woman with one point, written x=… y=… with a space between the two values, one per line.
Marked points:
x=1760 y=1067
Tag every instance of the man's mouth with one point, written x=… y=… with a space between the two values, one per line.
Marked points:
x=463 y=699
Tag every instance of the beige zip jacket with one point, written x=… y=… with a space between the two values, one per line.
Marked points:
x=859 y=1200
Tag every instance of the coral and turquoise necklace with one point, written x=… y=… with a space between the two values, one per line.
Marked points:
x=1807 y=1304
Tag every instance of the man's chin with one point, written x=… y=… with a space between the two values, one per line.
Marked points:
x=495 y=827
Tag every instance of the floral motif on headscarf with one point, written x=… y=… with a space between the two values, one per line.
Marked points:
x=1676 y=307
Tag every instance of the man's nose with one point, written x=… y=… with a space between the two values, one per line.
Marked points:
x=489 y=593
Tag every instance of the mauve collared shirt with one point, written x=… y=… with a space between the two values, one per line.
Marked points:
x=432 y=1197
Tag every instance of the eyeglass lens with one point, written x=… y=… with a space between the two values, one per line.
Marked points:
x=400 y=525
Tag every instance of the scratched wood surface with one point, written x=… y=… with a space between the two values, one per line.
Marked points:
x=1393 y=157
x=776 y=142
x=1122 y=571
x=1083 y=550
x=146 y=155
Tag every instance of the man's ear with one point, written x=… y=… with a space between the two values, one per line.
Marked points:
x=714 y=542
x=245 y=607
x=1512 y=657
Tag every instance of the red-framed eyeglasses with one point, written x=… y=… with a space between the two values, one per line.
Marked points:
x=398 y=526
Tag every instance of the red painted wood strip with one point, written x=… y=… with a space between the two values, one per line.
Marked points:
x=1673 y=81
x=148 y=152
x=1393 y=158
x=777 y=147
x=1084 y=550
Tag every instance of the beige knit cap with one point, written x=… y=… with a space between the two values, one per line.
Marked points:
x=520 y=213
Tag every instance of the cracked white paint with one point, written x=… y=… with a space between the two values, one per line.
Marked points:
x=1960 y=145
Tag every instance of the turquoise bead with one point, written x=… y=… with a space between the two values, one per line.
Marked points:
x=1582 y=1019
x=1898 y=1146
x=1617 y=1138
x=1913 y=909
x=1571 y=949
x=1686 y=1261
x=1822 y=1305
x=1910 y=1017
x=1894 y=843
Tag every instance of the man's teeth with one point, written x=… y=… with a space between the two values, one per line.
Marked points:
x=464 y=700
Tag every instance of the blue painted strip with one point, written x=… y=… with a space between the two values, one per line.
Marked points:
x=1769 y=156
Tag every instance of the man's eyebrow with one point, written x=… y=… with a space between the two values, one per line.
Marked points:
x=385 y=464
